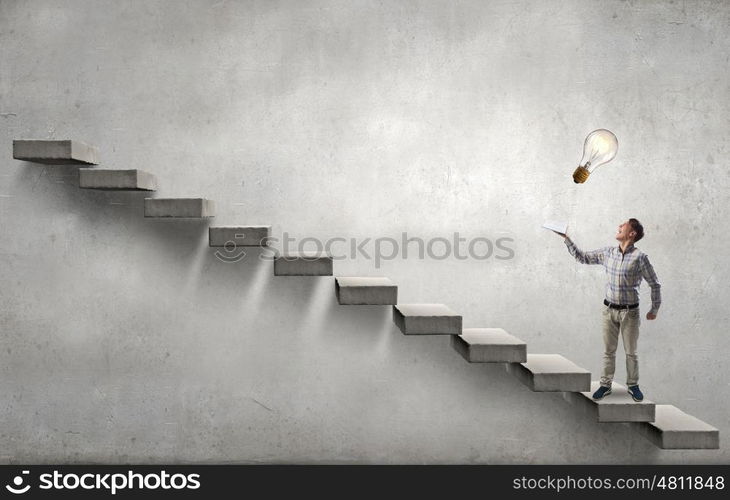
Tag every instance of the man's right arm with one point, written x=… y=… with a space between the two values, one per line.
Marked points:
x=591 y=257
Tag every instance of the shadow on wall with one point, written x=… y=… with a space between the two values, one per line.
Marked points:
x=107 y=214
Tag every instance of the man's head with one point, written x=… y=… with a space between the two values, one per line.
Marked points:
x=631 y=230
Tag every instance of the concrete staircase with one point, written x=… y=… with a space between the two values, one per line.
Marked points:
x=664 y=425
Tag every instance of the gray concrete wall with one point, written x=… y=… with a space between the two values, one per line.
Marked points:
x=125 y=339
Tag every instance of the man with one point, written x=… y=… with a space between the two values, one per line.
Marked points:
x=625 y=266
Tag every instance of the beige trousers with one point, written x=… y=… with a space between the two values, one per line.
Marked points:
x=626 y=322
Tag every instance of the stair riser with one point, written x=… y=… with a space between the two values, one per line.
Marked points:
x=179 y=208
x=303 y=267
x=238 y=236
x=367 y=295
x=126 y=180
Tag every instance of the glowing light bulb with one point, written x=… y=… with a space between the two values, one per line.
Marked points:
x=600 y=147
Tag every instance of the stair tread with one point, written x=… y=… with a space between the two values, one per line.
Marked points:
x=425 y=310
x=615 y=407
x=345 y=281
x=619 y=396
x=489 y=345
x=426 y=319
x=551 y=373
x=178 y=199
x=673 y=429
x=669 y=418
x=183 y=208
x=254 y=226
x=551 y=363
x=306 y=254
x=365 y=290
x=303 y=263
x=117 y=179
x=55 y=152
x=250 y=236
x=489 y=336
x=103 y=170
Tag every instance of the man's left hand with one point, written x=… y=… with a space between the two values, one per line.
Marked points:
x=650 y=315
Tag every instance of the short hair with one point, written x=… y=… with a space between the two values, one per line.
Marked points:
x=636 y=226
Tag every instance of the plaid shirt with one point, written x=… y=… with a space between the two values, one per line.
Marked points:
x=624 y=272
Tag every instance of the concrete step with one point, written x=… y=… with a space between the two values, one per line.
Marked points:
x=128 y=180
x=551 y=372
x=310 y=263
x=426 y=319
x=489 y=345
x=365 y=291
x=239 y=236
x=55 y=152
x=616 y=407
x=674 y=429
x=189 y=208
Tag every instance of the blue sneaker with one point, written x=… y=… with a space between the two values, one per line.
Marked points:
x=602 y=391
x=636 y=393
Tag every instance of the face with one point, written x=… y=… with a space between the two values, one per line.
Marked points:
x=625 y=232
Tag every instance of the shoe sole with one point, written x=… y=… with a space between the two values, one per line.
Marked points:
x=632 y=397
x=606 y=394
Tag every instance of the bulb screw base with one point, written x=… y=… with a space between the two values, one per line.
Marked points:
x=580 y=175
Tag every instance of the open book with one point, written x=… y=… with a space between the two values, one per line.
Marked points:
x=557 y=226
